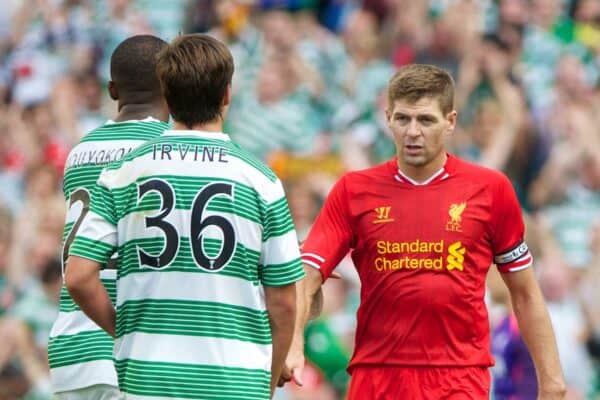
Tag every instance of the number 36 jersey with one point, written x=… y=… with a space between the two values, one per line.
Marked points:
x=200 y=227
x=80 y=352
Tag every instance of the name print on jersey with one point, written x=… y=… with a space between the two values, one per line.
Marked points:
x=97 y=156
x=178 y=151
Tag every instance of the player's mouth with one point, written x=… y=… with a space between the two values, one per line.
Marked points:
x=413 y=149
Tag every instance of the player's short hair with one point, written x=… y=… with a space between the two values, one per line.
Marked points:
x=416 y=81
x=195 y=71
x=133 y=64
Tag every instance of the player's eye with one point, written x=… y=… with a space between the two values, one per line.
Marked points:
x=427 y=120
x=401 y=118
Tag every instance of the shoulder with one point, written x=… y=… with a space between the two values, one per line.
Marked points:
x=141 y=150
x=361 y=177
x=256 y=168
x=487 y=176
x=138 y=130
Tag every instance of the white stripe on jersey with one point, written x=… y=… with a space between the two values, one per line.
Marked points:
x=279 y=248
x=78 y=376
x=101 y=230
x=312 y=264
x=185 y=286
x=71 y=323
x=313 y=255
x=195 y=350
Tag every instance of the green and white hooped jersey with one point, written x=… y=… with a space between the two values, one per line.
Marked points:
x=201 y=227
x=80 y=352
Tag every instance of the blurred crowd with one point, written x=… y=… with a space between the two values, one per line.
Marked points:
x=309 y=99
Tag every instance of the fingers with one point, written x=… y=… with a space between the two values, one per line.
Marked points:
x=288 y=375
x=336 y=275
x=297 y=376
x=285 y=377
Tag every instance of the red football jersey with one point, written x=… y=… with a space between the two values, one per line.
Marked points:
x=422 y=252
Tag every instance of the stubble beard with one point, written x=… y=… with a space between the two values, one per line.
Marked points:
x=414 y=161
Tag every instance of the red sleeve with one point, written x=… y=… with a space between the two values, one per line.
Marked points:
x=330 y=237
x=510 y=250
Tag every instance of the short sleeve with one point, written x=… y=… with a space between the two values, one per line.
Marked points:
x=280 y=256
x=96 y=238
x=511 y=253
x=331 y=235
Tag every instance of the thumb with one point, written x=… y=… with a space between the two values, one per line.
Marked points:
x=335 y=275
x=297 y=376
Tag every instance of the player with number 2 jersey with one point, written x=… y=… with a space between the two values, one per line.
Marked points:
x=79 y=351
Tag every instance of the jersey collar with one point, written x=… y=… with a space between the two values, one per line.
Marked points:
x=202 y=134
x=147 y=119
x=440 y=175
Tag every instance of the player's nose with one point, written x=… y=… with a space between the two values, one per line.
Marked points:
x=413 y=129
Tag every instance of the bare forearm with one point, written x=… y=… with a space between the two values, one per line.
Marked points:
x=281 y=307
x=282 y=329
x=535 y=326
x=94 y=301
x=510 y=98
x=308 y=306
x=497 y=153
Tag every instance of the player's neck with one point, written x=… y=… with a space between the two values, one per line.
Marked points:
x=213 y=126
x=422 y=173
x=130 y=112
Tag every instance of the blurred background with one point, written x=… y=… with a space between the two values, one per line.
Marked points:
x=309 y=95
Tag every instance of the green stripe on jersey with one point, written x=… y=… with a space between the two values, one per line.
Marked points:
x=140 y=131
x=84 y=176
x=205 y=382
x=67 y=304
x=95 y=250
x=67 y=230
x=193 y=318
x=281 y=274
x=78 y=348
x=104 y=207
x=278 y=220
x=243 y=264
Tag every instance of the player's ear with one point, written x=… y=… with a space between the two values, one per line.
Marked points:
x=112 y=91
x=388 y=115
x=451 y=118
x=227 y=97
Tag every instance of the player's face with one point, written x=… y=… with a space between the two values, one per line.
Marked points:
x=420 y=130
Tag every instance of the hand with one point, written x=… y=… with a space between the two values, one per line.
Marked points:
x=496 y=64
x=557 y=393
x=294 y=365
